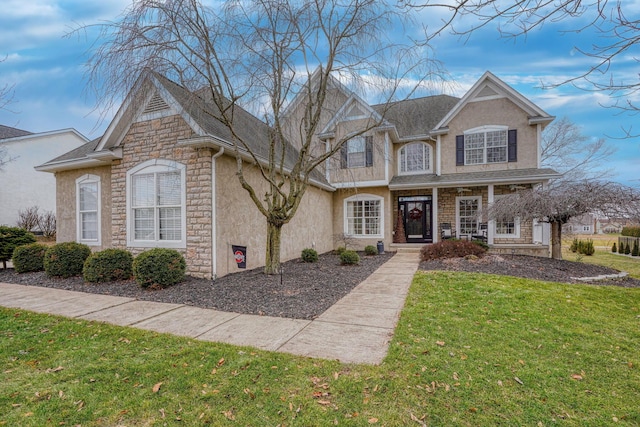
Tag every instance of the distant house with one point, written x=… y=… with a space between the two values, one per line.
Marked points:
x=164 y=175
x=583 y=224
x=611 y=225
x=21 y=186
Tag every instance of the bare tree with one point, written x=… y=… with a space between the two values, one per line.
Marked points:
x=258 y=55
x=557 y=204
x=615 y=23
x=28 y=218
x=47 y=224
x=577 y=157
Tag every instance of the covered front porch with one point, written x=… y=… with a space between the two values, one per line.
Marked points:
x=437 y=209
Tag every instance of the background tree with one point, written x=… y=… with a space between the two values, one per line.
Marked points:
x=615 y=22
x=6 y=97
x=557 y=204
x=259 y=55
x=577 y=157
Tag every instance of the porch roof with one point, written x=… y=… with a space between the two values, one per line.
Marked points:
x=510 y=176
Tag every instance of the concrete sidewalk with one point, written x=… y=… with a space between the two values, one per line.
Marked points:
x=357 y=329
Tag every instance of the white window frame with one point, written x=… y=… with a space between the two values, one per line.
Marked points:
x=364 y=198
x=361 y=140
x=155 y=167
x=83 y=180
x=427 y=159
x=484 y=130
x=516 y=221
x=458 y=200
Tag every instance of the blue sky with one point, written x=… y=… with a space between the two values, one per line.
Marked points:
x=47 y=70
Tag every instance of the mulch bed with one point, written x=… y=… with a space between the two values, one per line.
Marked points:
x=531 y=268
x=306 y=290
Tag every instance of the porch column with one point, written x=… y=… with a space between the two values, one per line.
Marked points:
x=491 y=226
x=434 y=216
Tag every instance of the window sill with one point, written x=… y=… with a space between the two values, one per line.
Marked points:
x=156 y=244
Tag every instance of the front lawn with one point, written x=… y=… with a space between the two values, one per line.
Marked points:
x=470 y=349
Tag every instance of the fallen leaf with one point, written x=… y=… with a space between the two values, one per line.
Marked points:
x=440 y=343
x=58 y=369
x=323 y=402
x=576 y=377
x=518 y=380
x=416 y=419
x=373 y=420
x=229 y=415
x=221 y=362
x=156 y=388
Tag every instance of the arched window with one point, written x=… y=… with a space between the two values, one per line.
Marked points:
x=88 y=210
x=156 y=204
x=415 y=158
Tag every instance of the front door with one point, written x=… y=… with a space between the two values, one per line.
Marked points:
x=416 y=212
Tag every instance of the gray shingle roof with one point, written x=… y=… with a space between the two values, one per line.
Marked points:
x=78 y=153
x=418 y=116
x=7 y=132
x=470 y=178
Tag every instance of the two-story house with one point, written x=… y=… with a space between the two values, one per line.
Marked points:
x=164 y=175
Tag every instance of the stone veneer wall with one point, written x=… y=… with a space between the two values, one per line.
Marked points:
x=156 y=139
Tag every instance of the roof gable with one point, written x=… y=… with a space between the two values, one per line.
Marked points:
x=491 y=87
x=7 y=132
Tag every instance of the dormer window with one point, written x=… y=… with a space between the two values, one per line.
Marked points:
x=486 y=144
x=415 y=158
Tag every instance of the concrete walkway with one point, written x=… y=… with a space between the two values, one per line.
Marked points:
x=357 y=329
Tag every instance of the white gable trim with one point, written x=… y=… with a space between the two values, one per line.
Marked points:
x=504 y=91
x=341 y=116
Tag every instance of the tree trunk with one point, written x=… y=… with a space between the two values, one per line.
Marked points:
x=556 y=240
x=272 y=259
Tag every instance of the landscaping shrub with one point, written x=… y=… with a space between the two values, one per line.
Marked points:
x=340 y=249
x=627 y=249
x=614 y=249
x=634 y=251
x=621 y=248
x=159 y=267
x=451 y=249
x=574 y=245
x=586 y=247
x=108 y=265
x=349 y=258
x=370 y=250
x=66 y=259
x=631 y=231
x=11 y=238
x=29 y=257
x=481 y=243
x=309 y=255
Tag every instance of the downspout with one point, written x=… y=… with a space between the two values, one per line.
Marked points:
x=214 y=217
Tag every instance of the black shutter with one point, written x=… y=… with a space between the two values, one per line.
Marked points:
x=513 y=145
x=460 y=150
x=343 y=155
x=369 y=150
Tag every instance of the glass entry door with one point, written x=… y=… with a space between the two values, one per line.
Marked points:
x=416 y=212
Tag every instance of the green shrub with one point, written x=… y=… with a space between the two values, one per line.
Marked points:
x=614 y=249
x=481 y=243
x=370 y=250
x=66 y=259
x=574 y=245
x=339 y=250
x=620 y=247
x=627 y=249
x=451 y=248
x=634 y=251
x=631 y=231
x=29 y=257
x=586 y=247
x=349 y=258
x=108 y=265
x=11 y=238
x=309 y=255
x=159 y=267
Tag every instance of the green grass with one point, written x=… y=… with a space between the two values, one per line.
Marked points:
x=470 y=349
x=606 y=258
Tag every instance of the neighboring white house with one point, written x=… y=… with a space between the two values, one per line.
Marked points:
x=21 y=186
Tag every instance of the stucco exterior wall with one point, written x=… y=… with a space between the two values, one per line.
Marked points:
x=339 y=226
x=238 y=221
x=502 y=112
x=21 y=186
x=66 y=205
